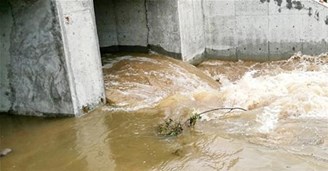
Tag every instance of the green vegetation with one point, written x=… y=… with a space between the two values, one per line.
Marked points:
x=170 y=128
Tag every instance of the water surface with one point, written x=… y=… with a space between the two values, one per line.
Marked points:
x=285 y=127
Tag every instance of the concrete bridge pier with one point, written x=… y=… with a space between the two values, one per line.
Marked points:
x=50 y=59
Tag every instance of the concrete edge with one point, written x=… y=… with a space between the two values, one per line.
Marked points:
x=140 y=49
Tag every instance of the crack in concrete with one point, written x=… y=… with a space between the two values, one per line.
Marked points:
x=12 y=97
x=147 y=23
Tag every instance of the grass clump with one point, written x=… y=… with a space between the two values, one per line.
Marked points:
x=175 y=128
x=170 y=128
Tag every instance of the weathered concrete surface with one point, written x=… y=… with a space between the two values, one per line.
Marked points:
x=264 y=30
x=163 y=24
x=121 y=22
x=5 y=31
x=131 y=22
x=192 y=29
x=38 y=74
x=78 y=28
x=106 y=22
x=139 y=24
x=258 y=30
x=50 y=60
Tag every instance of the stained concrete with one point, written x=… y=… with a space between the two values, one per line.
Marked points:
x=106 y=22
x=258 y=30
x=38 y=74
x=131 y=22
x=121 y=22
x=164 y=25
x=50 y=59
x=139 y=24
x=5 y=31
x=264 y=30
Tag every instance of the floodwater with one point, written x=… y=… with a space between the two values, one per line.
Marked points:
x=285 y=126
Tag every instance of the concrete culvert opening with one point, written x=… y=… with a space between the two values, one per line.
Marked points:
x=121 y=25
x=138 y=26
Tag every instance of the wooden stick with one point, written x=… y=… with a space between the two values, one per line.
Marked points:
x=223 y=108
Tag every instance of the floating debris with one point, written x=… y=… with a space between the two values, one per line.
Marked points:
x=170 y=128
x=175 y=128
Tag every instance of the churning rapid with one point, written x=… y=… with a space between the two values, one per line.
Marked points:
x=294 y=88
x=285 y=126
x=287 y=101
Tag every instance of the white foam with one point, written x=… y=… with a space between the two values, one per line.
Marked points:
x=268 y=119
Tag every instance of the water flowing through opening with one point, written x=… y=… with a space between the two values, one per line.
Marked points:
x=284 y=127
x=287 y=101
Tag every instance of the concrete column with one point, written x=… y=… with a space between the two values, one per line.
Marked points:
x=38 y=74
x=54 y=66
x=81 y=47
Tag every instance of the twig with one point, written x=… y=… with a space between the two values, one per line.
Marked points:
x=223 y=108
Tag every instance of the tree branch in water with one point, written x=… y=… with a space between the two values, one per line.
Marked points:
x=174 y=128
x=223 y=108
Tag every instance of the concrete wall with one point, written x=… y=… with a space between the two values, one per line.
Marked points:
x=50 y=59
x=225 y=29
x=106 y=22
x=164 y=26
x=139 y=23
x=131 y=22
x=5 y=31
x=121 y=22
x=264 y=30
x=38 y=74
x=80 y=41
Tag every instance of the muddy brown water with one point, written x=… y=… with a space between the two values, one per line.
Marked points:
x=285 y=127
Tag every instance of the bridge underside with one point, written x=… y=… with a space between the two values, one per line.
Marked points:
x=50 y=49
